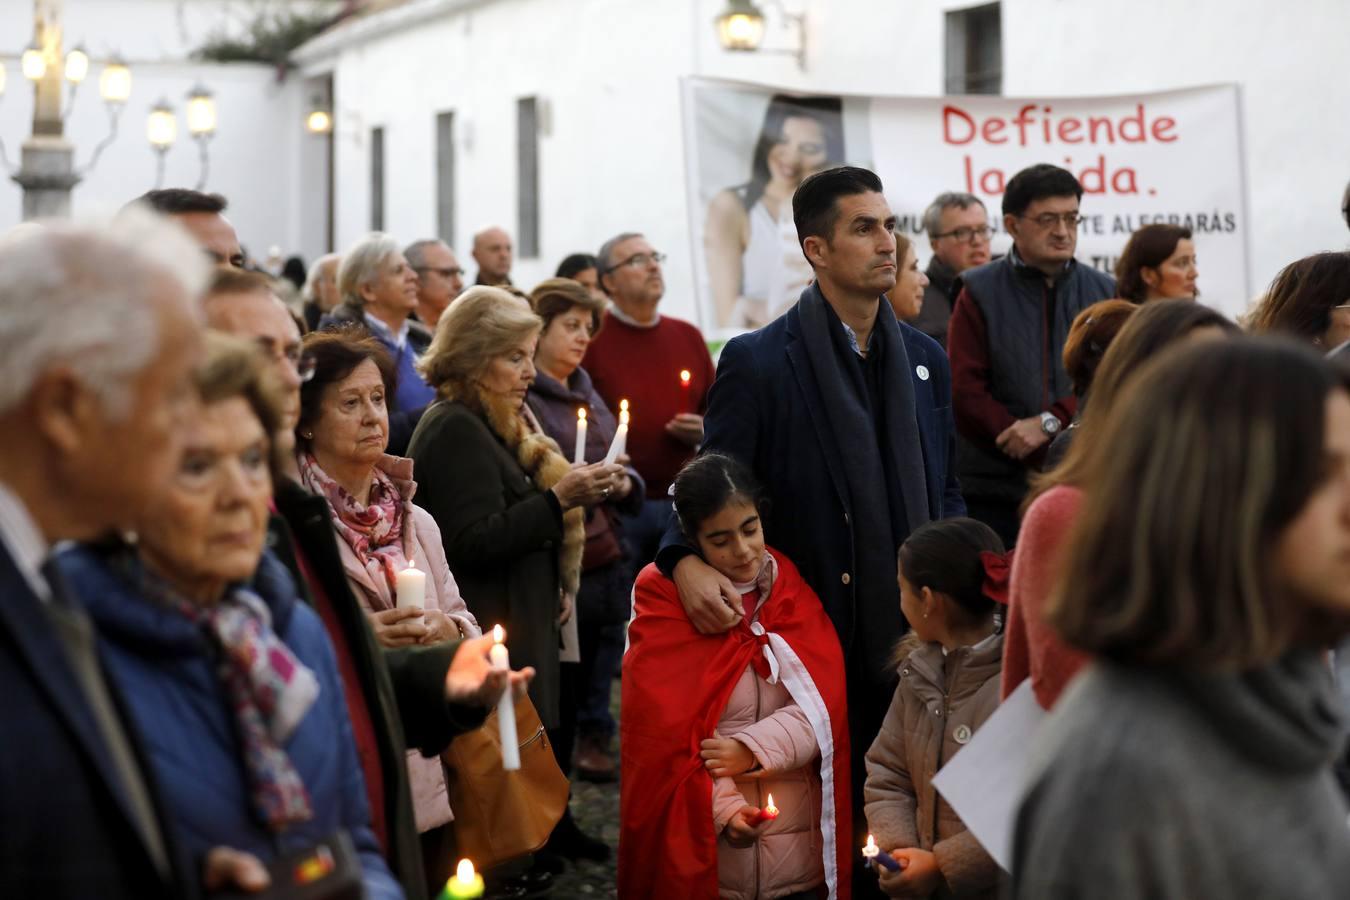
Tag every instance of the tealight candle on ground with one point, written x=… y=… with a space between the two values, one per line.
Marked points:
x=411 y=589
x=506 y=707
x=466 y=884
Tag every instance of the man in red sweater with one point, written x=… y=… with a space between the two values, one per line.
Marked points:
x=639 y=355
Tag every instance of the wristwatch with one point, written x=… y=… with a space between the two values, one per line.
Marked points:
x=1050 y=423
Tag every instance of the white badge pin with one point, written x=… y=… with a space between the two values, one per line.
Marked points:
x=963 y=734
x=922 y=372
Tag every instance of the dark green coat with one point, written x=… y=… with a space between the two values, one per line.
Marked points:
x=501 y=537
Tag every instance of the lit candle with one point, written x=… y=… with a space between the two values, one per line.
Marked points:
x=506 y=707
x=686 y=380
x=465 y=885
x=874 y=855
x=767 y=814
x=411 y=589
x=579 y=456
x=620 y=437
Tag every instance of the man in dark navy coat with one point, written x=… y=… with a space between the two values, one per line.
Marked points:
x=97 y=342
x=845 y=416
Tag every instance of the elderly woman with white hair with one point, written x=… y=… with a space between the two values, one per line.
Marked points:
x=379 y=294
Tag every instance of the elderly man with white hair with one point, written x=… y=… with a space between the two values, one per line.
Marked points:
x=379 y=293
x=320 y=293
x=99 y=332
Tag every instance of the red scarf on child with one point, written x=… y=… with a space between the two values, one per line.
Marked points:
x=676 y=684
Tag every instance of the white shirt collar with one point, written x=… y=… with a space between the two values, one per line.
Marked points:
x=629 y=320
x=23 y=540
x=380 y=328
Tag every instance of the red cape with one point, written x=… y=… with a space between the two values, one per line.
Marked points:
x=676 y=684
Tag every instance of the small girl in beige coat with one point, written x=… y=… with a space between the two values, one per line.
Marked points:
x=953 y=575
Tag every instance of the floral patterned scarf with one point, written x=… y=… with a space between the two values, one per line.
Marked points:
x=268 y=689
x=374 y=532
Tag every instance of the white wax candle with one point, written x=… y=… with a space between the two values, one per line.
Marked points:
x=620 y=442
x=411 y=589
x=579 y=456
x=506 y=707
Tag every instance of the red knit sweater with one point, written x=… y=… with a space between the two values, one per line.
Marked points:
x=1030 y=648
x=642 y=365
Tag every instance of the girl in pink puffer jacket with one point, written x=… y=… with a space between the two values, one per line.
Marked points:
x=715 y=724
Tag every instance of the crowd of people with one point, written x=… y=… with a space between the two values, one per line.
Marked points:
x=817 y=565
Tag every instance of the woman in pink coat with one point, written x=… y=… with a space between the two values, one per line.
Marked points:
x=340 y=444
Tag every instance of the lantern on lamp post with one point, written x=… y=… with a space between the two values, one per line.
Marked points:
x=161 y=130
x=201 y=124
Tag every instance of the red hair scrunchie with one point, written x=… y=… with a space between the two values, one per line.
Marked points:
x=997 y=574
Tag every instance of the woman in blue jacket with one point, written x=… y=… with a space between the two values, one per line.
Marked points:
x=231 y=681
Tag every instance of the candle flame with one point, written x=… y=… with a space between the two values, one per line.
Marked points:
x=623 y=417
x=498 y=634
x=464 y=871
x=870 y=849
x=685 y=377
x=581 y=414
x=623 y=406
x=771 y=808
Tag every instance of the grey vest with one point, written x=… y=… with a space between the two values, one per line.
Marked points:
x=1027 y=323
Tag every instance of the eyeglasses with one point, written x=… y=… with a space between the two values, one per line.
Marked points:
x=451 y=272
x=965 y=234
x=1048 y=220
x=639 y=261
x=303 y=363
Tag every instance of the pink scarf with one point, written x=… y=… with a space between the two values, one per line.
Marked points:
x=374 y=532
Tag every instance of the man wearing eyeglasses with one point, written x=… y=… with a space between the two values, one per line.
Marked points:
x=638 y=355
x=439 y=278
x=958 y=231
x=1006 y=343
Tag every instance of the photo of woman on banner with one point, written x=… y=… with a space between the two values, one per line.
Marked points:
x=755 y=267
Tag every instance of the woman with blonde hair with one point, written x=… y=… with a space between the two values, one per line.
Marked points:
x=510 y=507
x=1206 y=577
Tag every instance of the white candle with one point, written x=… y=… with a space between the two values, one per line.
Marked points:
x=579 y=456
x=411 y=589
x=506 y=707
x=620 y=443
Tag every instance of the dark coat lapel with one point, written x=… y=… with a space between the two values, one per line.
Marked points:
x=815 y=407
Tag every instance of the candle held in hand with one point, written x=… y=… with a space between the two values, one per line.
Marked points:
x=767 y=814
x=686 y=382
x=506 y=707
x=874 y=856
x=579 y=457
x=620 y=443
x=411 y=589
x=466 y=885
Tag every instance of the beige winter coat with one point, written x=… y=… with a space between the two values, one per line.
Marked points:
x=788 y=856
x=940 y=701
x=426 y=779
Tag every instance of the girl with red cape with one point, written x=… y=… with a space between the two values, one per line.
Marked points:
x=711 y=725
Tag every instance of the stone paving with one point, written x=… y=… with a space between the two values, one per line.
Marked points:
x=596 y=809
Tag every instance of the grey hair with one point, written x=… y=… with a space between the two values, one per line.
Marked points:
x=416 y=252
x=311 y=289
x=78 y=294
x=932 y=216
x=607 y=248
x=361 y=264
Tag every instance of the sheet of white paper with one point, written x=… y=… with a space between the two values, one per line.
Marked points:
x=984 y=782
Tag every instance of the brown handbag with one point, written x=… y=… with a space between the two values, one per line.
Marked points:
x=501 y=815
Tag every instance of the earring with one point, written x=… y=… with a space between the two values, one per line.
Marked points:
x=307 y=435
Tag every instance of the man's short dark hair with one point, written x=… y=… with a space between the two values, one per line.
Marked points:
x=1036 y=183
x=177 y=201
x=814 y=207
x=1345 y=205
